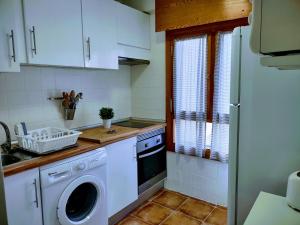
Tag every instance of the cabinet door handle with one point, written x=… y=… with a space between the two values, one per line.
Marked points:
x=89 y=47
x=32 y=32
x=134 y=152
x=13 y=45
x=36 y=193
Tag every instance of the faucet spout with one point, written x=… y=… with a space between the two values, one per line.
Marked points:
x=7 y=145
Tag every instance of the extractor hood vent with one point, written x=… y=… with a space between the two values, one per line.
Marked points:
x=132 y=62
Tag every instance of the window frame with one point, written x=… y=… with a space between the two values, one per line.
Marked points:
x=211 y=31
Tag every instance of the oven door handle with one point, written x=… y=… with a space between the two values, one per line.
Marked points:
x=152 y=153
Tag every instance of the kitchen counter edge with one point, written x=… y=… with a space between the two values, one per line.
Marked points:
x=83 y=147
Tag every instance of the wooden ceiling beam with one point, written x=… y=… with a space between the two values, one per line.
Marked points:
x=176 y=14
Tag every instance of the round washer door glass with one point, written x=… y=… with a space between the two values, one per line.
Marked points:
x=80 y=200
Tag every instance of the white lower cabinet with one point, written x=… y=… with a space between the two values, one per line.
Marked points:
x=23 y=198
x=122 y=175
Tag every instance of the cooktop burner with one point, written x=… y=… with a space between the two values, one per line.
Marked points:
x=134 y=124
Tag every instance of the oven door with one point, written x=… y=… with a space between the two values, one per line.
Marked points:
x=152 y=167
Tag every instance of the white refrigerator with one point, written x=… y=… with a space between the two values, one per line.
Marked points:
x=264 y=128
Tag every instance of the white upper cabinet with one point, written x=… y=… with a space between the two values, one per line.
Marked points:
x=9 y=60
x=100 y=34
x=133 y=27
x=133 y=30
x=53 y=31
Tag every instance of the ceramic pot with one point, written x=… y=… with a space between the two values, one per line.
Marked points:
x=107 y=124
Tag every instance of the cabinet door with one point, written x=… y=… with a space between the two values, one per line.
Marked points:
x=9 y=60
x=53 y=31
x=133 y=27
x=99 y=34
x=122 y=175
x=23 y=201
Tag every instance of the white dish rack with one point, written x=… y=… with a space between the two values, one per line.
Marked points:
x=49 y=139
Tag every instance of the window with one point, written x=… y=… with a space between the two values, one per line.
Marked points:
x=198 y=90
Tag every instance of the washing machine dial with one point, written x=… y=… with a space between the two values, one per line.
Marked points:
x=80 y=167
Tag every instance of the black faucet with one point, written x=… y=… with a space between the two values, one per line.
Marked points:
x=7 y=145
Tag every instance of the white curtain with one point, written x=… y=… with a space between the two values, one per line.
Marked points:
x=190 y=69
x=220 y=130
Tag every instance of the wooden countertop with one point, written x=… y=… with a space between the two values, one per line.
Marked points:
x=85 y=144
x=101 y=135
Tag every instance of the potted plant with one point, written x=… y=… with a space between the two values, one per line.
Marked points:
x=106 y=115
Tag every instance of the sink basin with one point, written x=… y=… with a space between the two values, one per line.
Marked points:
x=9 y=159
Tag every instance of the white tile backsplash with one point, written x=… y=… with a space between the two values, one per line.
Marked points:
x=23 y=96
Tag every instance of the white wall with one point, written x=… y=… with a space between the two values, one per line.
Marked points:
x=148 y=81
x=23 y=96
x=197 y=177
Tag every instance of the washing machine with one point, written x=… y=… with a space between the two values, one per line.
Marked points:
x=74 y=190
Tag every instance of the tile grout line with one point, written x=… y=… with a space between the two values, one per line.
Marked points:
x=173 y=210
x=182 y=203
x=141 y=220
x=209 y=214
x=192 y=217
x=164 y=220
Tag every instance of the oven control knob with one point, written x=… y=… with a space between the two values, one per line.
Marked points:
x=146 y=145
x=158 y=141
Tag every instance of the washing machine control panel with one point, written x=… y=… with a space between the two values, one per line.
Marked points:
x=80 y=166
x=66 y=170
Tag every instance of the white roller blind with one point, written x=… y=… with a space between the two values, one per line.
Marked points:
x=220 y=130
x=190 y=69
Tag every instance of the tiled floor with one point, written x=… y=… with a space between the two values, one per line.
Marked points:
x=171 y=208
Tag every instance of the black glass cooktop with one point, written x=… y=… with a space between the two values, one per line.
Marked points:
x=134 y=124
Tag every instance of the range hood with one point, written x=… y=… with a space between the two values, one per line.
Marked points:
x=132 y=61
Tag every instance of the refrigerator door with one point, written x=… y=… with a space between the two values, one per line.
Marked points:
x=269 y=128
x=233 y=157
x=234 y=124
x=3 y=215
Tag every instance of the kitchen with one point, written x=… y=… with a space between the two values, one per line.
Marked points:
x=116 y=54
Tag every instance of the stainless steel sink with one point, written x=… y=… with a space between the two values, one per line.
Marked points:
x=9 y=159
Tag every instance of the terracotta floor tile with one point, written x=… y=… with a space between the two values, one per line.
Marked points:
x=222 y=207
x=179 y=218
x=156 y=194
x=153 y=213
x=217 y=217
x=170 y=199
x=196 y=209
x=132 y=221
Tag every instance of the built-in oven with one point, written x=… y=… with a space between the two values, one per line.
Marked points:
x=151 y=153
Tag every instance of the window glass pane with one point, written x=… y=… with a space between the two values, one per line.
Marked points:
x=208 y=135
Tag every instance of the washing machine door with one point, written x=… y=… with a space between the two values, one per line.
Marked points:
x=80 y=201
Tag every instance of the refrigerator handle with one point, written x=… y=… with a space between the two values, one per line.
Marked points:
x=235 y=105
x=235 y=66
